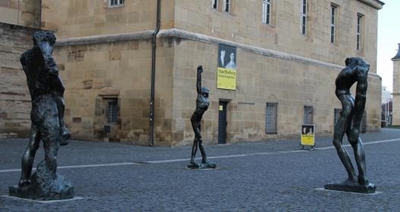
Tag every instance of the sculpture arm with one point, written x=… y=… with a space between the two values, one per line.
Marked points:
x=198 y=81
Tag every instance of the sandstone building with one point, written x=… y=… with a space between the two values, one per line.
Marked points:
x=129 y=66
x=396 y=89
x=18 y=21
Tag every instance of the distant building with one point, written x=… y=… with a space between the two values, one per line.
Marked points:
x=386 y=95
x=396 y=88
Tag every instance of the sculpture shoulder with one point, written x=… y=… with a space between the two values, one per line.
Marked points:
x=26 y=56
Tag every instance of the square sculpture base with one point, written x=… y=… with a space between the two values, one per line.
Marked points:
x=367 y=189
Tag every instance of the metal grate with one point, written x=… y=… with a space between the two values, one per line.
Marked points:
x=271 y=117
x=308 y=115
x=112 y=111
x=116 y=2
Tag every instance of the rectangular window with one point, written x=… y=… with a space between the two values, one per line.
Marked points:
x=303 y=17
x=333 y=22
x=112 y=110
x=359 y=31
x=114 y=3
x=227 y=5
x=266 y=11
x=308 y=115
x=271 y=117
x=214 y=4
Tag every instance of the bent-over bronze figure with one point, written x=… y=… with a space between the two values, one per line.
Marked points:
x=349 y=122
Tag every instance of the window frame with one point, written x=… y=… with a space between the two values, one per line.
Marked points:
x=266 y=12
x=303 y=17
x=307 y=111
x=359 y=32
x=333 y=27
x=112 y=109
x=271 y=118
x=227 y=6
x=214 y=4
x=116 y=3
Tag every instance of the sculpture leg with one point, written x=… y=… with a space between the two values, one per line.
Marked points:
x=65 y=133
x=194 y=151
x=342 y=125
x=29 y=156
x=203 y=152
x=197 y=136
x=51 y=136
x=359 y=155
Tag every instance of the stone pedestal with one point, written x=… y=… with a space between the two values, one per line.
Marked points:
x=44 y=186
x=369 y=188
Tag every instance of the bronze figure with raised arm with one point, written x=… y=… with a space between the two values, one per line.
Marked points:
x=202 y=104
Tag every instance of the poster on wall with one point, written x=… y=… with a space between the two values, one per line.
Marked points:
x=226 y=73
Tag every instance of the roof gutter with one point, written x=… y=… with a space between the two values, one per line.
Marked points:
x=153 y=73
x=373 y=3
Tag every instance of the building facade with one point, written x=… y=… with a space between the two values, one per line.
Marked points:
x=18 y=21
x=396 y=89
x=129 y=67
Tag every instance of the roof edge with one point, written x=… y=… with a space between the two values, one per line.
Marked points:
x=373 y=3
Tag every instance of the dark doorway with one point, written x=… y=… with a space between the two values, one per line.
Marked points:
x=222 y=123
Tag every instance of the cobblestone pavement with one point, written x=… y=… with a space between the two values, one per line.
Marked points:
x=256 y=176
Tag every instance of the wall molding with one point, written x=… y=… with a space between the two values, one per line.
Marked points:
x=373 y=3
x=187 y=35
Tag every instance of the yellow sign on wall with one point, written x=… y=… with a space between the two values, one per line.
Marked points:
x=226 y=78
x=226 y=71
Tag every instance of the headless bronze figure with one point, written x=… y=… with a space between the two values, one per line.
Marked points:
x=202 y=104
x=356 y=71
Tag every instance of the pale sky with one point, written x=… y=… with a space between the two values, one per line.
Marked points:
x=388 y=39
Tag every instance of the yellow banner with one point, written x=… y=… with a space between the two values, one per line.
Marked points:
x=226 y=78
x=307 y=135
x=307 y=140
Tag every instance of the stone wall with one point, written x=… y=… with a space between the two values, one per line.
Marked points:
x=290 y=81
x=243 y=25
x=21 y=12
x=121 y=70
x=95 y=17
x=15 y=102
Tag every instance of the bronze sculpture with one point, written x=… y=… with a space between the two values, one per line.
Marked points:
x=47 y=123
x=202 y=104
x=356 y=71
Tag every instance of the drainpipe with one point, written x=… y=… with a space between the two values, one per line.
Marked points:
x=40 y=15
x=153 y=73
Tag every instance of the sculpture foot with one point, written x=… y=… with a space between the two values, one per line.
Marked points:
x=362 y=180
x=208 y=165
x=193 y=165
x=65 y=136
x=24 y=183
x=351 y=186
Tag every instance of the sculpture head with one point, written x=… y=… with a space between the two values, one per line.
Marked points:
x=205 y=92
x=357 y=61
x=44 y=40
